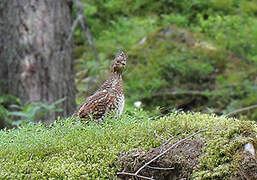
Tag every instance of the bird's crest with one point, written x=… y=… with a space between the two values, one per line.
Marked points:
x=119 y=62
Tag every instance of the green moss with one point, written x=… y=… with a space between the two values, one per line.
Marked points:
x=75 y=150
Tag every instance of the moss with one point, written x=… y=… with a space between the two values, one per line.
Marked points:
x=75 y=150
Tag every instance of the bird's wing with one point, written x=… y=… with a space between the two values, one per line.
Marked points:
x=96 y=105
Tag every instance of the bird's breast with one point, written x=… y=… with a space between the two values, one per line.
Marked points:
x=120 y=104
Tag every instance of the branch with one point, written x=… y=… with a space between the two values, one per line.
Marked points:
x=160 y=168
x=168 y=140
x=155 y=133
x=242 y=109
x=161 y=138
x=74 y=25
x=85 y=27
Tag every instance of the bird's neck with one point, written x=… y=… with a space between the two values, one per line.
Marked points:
x=113 y=82
x=116 y=74
x=115 y=79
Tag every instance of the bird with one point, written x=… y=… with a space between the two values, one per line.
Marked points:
x=110 y=95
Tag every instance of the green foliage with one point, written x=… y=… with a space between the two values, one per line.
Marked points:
x=233 y=32
x=175 y=47
x=91 y=151
x=5 y=102
x=13 y=113
x=31 y=112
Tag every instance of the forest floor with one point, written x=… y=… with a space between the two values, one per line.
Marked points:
x=179 y=145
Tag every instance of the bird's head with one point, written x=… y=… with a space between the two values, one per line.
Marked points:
x=119 y=63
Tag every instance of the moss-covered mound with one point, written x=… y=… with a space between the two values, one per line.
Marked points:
x=75 y=150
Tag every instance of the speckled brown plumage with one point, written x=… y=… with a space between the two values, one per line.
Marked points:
x=110 y=96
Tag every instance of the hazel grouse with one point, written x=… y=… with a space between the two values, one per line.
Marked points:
x=109 y=97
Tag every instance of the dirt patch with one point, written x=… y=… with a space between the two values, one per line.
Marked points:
x=177 y=163
x=247 y=169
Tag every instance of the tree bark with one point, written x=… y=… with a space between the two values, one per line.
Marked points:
x=35 y=54
x=3 y=63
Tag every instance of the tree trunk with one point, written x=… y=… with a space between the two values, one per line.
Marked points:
x=35 y=54
x=3 y=63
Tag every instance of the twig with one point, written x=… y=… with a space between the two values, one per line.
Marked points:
x=85 y=27
x=168 y=140
x=242 y=109
x=132 y=174
x=168 y=149
x=161 y=138
x=74 y=25
x=31 y=156
x=160 y=168
x=155 y=133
